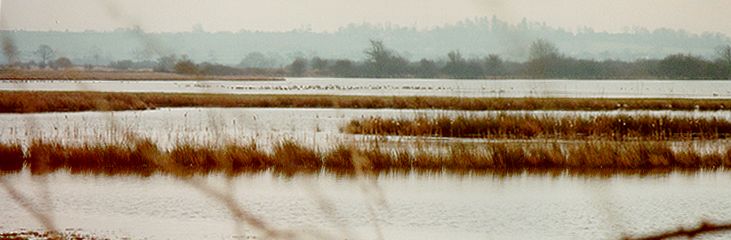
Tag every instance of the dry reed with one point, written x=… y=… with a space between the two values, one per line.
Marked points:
x=288 y=157
x=35 y=101
x=618 y=127
x=51 y=235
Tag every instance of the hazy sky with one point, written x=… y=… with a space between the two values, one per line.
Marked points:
x=327 y=15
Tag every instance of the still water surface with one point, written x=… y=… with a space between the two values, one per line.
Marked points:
x=387 y=207
x=395 y=206
x=406 y=87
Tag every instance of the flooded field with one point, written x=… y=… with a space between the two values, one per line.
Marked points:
x=324 y=206
x=384 y=207
x=365 y=120
x=406 y=87
x=317 y=127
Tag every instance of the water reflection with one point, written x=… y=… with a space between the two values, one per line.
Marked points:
x=400 y=206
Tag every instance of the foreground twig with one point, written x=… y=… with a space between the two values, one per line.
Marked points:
x=239 y=214
x=25 y=203
x=704 y=228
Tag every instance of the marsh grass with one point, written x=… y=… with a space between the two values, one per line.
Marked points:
x=526 y=126
x=109 y=159
x=35 y=101
x=288 y=158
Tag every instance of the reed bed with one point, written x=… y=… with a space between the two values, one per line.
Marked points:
x=507 y=126
x=288 y=157
x=35 y=101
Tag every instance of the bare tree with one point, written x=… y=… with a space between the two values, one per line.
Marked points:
x=543 y=59
x=186 y=66
x=166 y=63
x=493 y=65
x=378 y=57
x=318 y=64
x=298 y=67
x=63 y=62
x=383 y=62
x=46 y=54
x=724 y=53
x=542 y=48
x=10 y=50
x=724 y=56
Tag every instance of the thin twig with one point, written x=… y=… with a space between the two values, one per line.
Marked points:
x=704 y=228
x=25 y=203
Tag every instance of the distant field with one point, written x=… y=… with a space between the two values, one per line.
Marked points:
x=117 y=75
x=53 y=101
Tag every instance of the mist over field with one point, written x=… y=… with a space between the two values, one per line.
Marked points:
x=474 y=38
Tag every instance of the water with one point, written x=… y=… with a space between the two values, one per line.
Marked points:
x=407 y=87
x=325 y=206
x=398 y=207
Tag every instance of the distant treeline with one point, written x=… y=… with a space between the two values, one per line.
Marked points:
x=472 y=37
x=545 y=61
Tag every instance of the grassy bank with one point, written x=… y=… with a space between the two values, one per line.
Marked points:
x=505 y=126
x=145 y=158
x=16 y=74
x=33 y=101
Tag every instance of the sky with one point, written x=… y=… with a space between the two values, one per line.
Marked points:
x=696 y=16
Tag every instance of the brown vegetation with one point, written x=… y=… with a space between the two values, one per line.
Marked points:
x=618 y=127
x=23 y=235
x=11 y=157
x=32 y=101
x=287 y=157
x=17 y=74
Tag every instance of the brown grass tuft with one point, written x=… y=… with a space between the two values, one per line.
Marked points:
x=290 y=157
x=341 y=158
x=187 y=157
x=247 y=158
x=11 y=158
